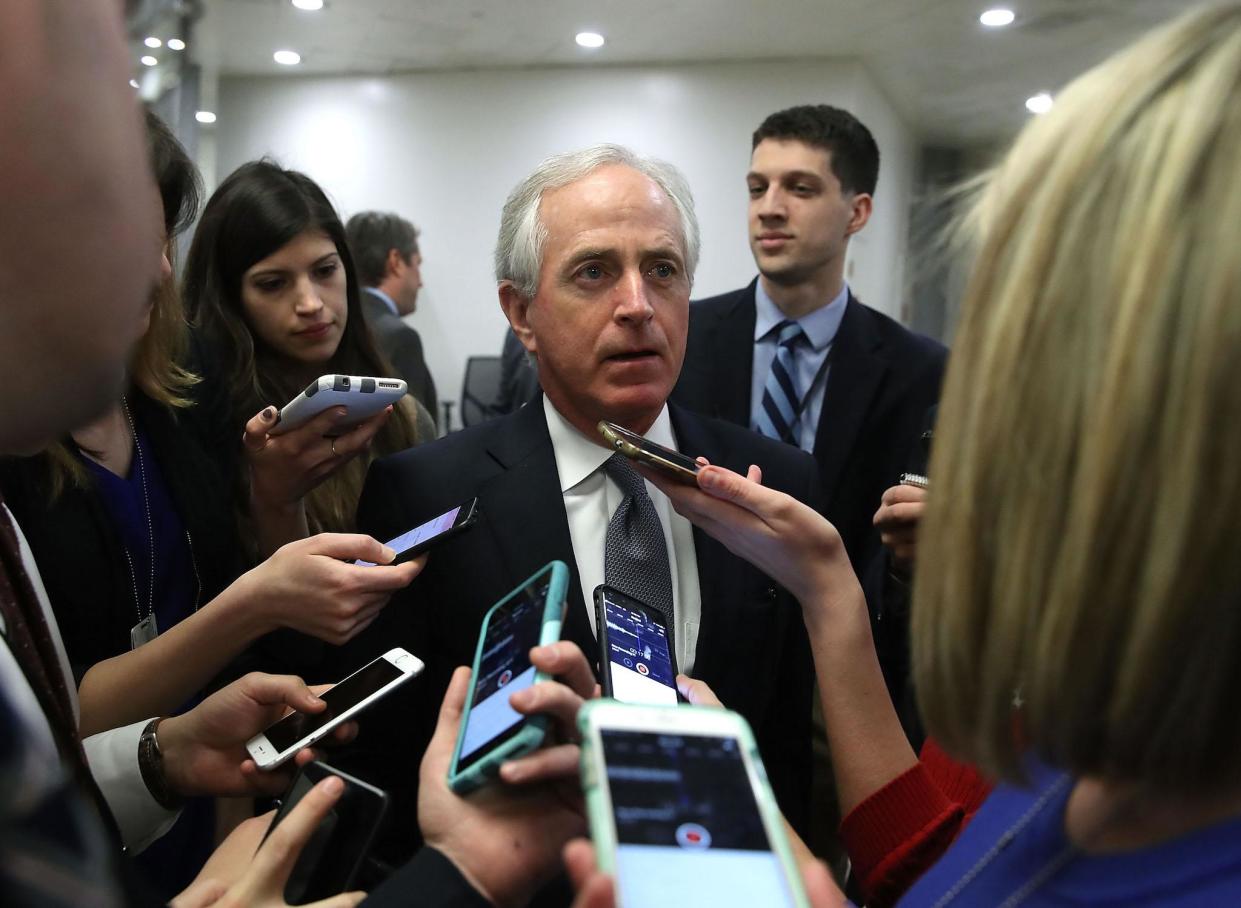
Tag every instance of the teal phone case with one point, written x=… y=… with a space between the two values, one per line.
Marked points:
x=599 y=802
x=534 y=728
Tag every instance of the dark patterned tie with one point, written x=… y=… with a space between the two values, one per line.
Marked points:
x=635 y=556
x=779 y=415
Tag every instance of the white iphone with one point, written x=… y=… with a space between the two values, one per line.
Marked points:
x=362 y=395
x=680 y=809
x=365 y=686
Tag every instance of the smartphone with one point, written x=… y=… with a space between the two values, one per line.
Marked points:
x=680 y=809
x=636 y=661
x=283 y=739
x=412 y=544
x=643 y=450
x=330 y=860
x=363 y=395
x=492 y=731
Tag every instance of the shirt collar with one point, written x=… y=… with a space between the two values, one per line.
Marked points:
x=579 y=457
x=820 y=325
x=375 y=291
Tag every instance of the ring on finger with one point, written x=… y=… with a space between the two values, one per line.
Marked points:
x=333 y=447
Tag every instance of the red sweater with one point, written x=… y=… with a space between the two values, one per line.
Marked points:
x=896 y=834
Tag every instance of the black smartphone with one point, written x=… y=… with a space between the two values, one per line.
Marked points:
x=636 y=660
x=643 y=450
x=330 y=861
x=416 y=541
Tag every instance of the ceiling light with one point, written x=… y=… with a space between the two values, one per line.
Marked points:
x=176 y=44
x=205 y=116
x=1040 y=103
x=153 y=42
x=133 y=82
x=148 y=60
x=311 y=5
x=997 y=18
x=287 y=57
x=589 y=39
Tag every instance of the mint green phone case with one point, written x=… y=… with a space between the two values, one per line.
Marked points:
x=598 y=802
x=531 y=735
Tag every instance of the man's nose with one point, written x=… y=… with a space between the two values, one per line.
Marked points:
x=632 y=300
x=771 y=204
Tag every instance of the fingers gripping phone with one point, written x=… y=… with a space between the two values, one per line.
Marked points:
x=643 y=450
x=330 y=860
x=367 y=685
x=491 y=730
x=680 y=809
x=413 y=543
x=636 y=661
x=363 y=395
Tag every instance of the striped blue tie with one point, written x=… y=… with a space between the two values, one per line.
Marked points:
x=780 y=413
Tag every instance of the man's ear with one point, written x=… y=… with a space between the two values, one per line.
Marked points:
x=861 y=205
x=393 y=263
x=516 y=307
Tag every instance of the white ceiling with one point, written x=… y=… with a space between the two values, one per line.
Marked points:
x=954 y=81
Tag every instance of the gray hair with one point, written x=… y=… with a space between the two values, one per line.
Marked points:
x=372 y=234
x=519 y=249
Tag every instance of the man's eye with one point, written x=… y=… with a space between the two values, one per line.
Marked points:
x=757 y=191
x=803 y=189
x=591 y=272
x=664 y=270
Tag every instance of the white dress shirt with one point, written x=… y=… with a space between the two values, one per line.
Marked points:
x=590 y=500
x=112 y=755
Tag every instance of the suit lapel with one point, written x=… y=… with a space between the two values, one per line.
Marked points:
x=858 y=369
x=523 y=508
x=731 y=344
x=720 y=577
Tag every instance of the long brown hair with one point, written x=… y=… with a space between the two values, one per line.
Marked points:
x=258 y=209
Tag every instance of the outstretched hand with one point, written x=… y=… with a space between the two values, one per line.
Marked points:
x=787 y=540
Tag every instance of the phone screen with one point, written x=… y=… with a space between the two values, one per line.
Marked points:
x=419 y=534
x=639 y=661
x=345 y=695
x=688 y=829
x=503 y=670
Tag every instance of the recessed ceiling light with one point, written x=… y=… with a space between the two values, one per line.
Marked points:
x=133 y=83
x=287 y=57
x=311 y=5
x=205 y=116
x=589 y=39
x=1040 y=103
x=148 y=60
x=153 y=42
x=997 y=18
x=176 y=44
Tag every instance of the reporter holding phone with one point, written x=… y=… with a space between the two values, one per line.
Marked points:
x=272 y=291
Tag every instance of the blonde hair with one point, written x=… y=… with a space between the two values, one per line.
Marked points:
x=1081 y=544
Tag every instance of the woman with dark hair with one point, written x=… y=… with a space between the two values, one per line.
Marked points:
x=271 y=287
x=149 y=602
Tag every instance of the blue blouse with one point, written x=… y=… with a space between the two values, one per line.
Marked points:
x=1200 y=869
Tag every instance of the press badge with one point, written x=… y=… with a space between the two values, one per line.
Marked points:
x=143 y=632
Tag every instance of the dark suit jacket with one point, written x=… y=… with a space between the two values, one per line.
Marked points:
x=752 y=647
x=402 y=347
x=883 y=378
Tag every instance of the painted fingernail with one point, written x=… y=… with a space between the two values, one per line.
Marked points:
x=269 y=413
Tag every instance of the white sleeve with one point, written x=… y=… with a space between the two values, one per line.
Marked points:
x=113 y=759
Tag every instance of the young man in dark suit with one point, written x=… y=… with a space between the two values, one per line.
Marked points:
x=385 y=250
x=795 y=355
x=595 y=258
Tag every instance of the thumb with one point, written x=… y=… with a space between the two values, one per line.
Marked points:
x=254 y=436
x=350 y=546
x=289 y=690
x=729 y=486
x=697 y=692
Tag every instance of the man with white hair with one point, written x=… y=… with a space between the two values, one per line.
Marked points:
x=594 y=264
